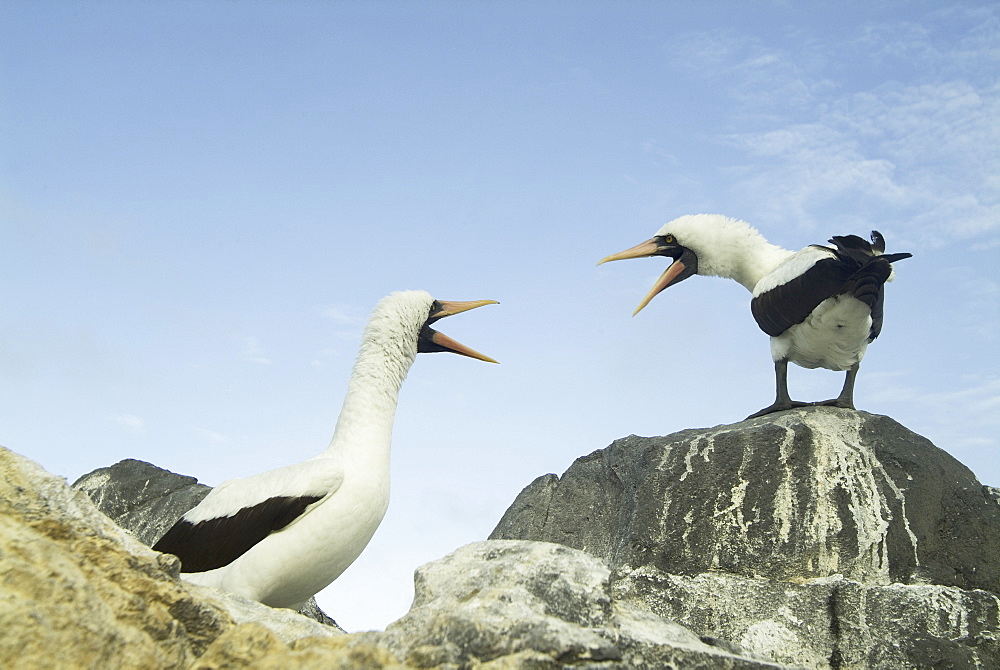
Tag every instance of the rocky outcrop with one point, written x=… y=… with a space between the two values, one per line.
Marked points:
x=818 y=537
x=140 y=497
x=541 y=605
x=78 y=591
x=828 y=622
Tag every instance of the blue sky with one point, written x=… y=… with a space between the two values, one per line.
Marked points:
x=201 y=202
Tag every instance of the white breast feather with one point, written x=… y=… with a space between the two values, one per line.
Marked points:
x=834 y=336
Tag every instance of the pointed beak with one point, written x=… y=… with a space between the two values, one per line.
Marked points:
x=452 y=307
x=669 y=277
x=432 y=340
x=445 y=342
x=643 y=250
x=685 y=264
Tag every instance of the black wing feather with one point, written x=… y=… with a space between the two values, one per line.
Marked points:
x=858 y=269
x=790 y=303
x=214 y=543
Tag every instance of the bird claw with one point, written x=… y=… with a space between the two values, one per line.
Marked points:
x=835 y=402
x=778 y=407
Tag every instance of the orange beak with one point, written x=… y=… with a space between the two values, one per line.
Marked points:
x=685 y=264
x=441 y=341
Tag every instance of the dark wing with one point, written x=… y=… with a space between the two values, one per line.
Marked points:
x=778 y=309
x=868 y=284
x=868 y=281
x=214 y=543
x=857 y=269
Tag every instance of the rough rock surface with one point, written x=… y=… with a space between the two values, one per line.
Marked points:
x=147 y=500
x=540 y=605
x=255 y=646
x=828 y=622
x=140 y=497
x=819 y=538
x=796 y=495
x=816 y=537
x=78 y=592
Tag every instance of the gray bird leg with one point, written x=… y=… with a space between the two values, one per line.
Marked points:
x=782 y=400
x=846 y=397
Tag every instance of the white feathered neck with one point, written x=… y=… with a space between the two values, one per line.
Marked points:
x=388 y=349
x=726 y=247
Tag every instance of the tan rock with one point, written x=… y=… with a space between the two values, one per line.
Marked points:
x=253 y=645
x=75 y=591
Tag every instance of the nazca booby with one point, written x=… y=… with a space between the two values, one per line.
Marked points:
x=821 y=306
x=281 y=536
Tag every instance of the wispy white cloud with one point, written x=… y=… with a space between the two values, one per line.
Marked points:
x=325 y=354
x=348 y=322
x=895 y=40
x=211 y=436
x=924 y=156
x=343 y=315
x=804 y=168
x=751 y=72
x=253 y=352
x=912 y=138
x=962 y=409
x=979 y=310
x=130 y=422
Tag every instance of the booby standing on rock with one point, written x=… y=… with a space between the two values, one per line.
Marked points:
x=281 y=536
x=821 y=305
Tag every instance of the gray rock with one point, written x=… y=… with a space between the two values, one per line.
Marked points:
x=819 y=537
x=140 y=497
x=147 y=500
x=538 y=605
x=828 y=622
x=287 y=625
x=791 y=496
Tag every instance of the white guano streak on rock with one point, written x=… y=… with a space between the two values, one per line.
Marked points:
x=693 y=450
x=785 y=498
x=734 y=511
x=739 y=493
x=901 y=497
x=843 y=463
x=701 y=446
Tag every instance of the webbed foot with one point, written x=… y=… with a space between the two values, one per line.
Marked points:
x=845 y=403
x=778 y=407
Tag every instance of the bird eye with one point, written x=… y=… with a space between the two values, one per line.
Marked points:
x=668 y=238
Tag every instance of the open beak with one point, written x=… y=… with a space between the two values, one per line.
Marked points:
x=432 y=340
x=685 y=264
x=452 y=307
x=648 y=248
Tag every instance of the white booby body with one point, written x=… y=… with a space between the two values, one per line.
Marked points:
x=836 y=332
x=821 y=306
x=281 y=536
